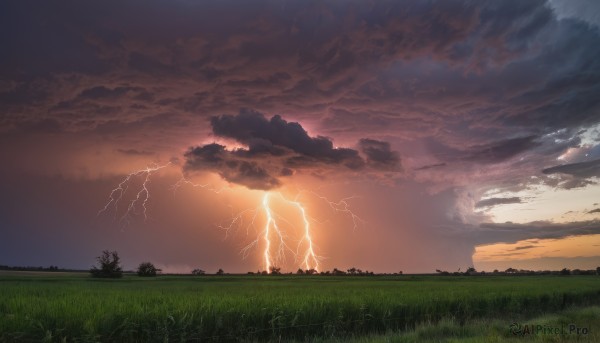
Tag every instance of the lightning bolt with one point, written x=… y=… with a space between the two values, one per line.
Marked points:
x=341 y=206
x=310 y=259
x=267 y=253
x=142 y=197
x=310 y=255
x=274 y=237
x=183 y=181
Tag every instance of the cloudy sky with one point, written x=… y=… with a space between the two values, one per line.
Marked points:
x=415 y=135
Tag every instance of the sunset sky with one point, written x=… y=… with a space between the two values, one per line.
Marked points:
x=415 y=135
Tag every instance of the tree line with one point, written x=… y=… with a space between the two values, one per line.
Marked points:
x=108 y=265
x=51 y=268
x=471 y=271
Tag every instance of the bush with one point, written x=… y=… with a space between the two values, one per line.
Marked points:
x=147 y=269
x=108 y=265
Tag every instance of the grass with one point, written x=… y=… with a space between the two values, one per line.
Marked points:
x=495 y=330
x=44 y=306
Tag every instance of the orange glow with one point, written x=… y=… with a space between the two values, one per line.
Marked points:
x=580 y=246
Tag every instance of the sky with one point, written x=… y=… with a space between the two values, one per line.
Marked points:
x=384 y=135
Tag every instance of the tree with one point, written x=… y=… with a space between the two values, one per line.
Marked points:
x=108 y=265
x=220 y=272
x=198 y=271
x=565 y=271
x=147 y=269
x=338 y=272
x=598 y=270
x=300 y=271
x=275 y=271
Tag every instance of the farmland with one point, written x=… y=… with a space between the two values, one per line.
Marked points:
x=73 y=306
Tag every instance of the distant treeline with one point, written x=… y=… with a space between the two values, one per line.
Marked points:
x=35 y=269
x=512 y=271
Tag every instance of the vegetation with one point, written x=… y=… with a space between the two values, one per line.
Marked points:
x=51 y=268
x=258 y=308
x=495 y=330
x=513 y=271
x=109 y=265
x=198 y=271
x=147 y=269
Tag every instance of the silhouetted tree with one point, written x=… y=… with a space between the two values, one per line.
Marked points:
x=220 y=272
x=300 y=271
x=147 y=269
x=598 y=270
x=338 y=272
x=108 y=265
x=565 y=271
x=275 y=271
x=311 y=272
x=198 y=272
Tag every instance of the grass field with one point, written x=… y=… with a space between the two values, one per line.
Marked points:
x=38 y=306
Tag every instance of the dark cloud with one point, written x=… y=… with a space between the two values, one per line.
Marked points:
x=525 y=247
x=596 y=210
x=214 y=157
x=576 y=183
x=276 y=147
x=276 y=136
x=500 y=151
x=513 y=232
x=497 y=201
x=581 y=169
x=379 y=154
x=487 y=153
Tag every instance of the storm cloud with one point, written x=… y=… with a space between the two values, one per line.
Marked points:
x=513 y=232
x=277 y=148
x=580 y=170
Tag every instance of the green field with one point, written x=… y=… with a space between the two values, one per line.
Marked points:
x=38 y=306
